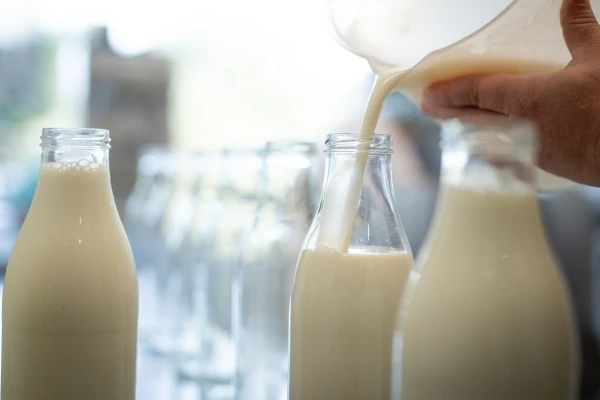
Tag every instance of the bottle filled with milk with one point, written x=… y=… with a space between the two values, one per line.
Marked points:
x=487 y=314
x=345 y=299
x=70 y=301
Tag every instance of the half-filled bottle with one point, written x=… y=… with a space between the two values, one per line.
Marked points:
x=344 y=303
x=70 y=301
x=487 y=313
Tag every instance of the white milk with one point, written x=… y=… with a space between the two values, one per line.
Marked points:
x=344 y=192
x=490 y=317
x=69 y=317
x=343 y=314
x=413 y=82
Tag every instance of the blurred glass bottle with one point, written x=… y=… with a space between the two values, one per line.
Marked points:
x=173 y=226
x=487 y=313
x=149 y=165
x=196 y=254
x=264 y=278
x=144 y=217
x=238 y=206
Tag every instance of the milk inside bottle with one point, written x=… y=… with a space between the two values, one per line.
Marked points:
x=70 y=301
x=344 y=303
x=487 y=314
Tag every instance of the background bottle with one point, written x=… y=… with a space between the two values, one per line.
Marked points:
x=263 y=282
x=487 y=313
x=70 y=305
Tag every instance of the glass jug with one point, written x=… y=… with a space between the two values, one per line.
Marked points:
x=265 y=276
x=344 y=304
x=400 y=35
x=487 y=313
x=421 y=42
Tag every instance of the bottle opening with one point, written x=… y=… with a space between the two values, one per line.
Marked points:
x=81 y=137
x=379 y=144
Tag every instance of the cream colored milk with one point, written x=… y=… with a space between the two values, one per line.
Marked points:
x=69 y=317
x=490 y=317
x=343 y=193
x=413 y=82
x=343 y=314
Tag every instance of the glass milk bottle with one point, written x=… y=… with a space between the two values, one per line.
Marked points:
x=344 y=304
x=197 y=254
x=176 y=216
x=70 y=305
x=148 y=168
x=140 y=237
x=265 y=275
x=238 y=203
x=488 y=314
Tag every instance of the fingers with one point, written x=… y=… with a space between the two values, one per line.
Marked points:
x=580 y=28
x=467 y=114
x=497 y=93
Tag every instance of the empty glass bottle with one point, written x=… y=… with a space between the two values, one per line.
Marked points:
x=238 y=203
x=196 y=254
x=169 y=273
x=265 y=276
x=148 y=169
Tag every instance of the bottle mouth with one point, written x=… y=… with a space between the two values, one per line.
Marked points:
x=75 y=137
x=379 y=144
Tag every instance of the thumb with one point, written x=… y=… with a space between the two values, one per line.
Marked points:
x=498 y=93
x=580 y=26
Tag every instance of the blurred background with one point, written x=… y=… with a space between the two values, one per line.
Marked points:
x=218 y=114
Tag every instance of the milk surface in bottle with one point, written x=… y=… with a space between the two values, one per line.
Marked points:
x=70 y=301
x=487 y=314
x=344 y=303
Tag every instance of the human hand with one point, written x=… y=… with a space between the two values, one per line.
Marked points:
x=565 y=104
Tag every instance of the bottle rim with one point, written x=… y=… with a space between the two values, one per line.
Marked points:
x=76 y=137
x=350 y=143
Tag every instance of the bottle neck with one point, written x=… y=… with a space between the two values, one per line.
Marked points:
x=376 y=223
x=488 y=189
x=377 y=175
x=489 y=157
x=67 y=154
x=74 y=175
